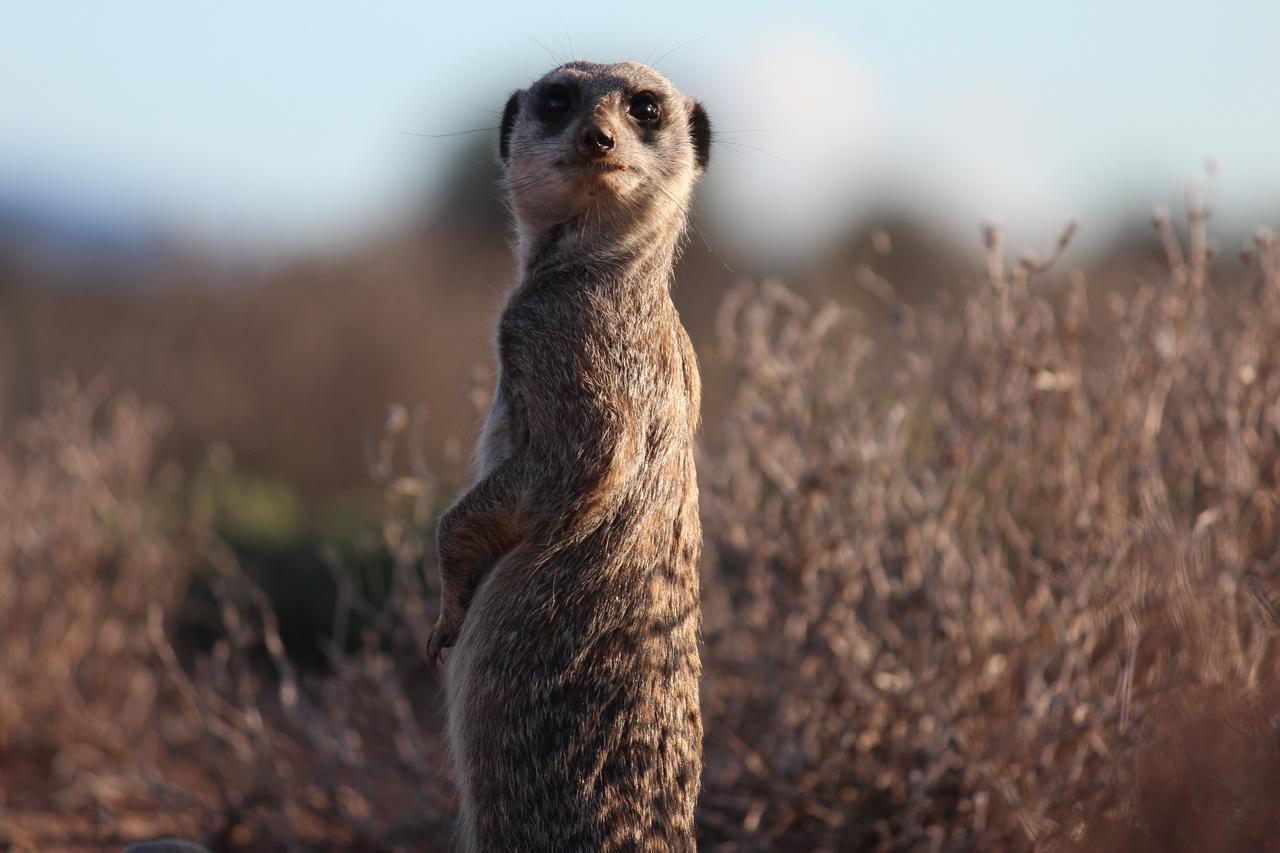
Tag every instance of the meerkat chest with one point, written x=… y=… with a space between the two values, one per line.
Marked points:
x=587 y=342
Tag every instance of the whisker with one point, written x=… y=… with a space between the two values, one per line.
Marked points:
x=696 y=222
x=557 y=60
x=454 y=133
x=572 y=53
x=480 y=107
x=747 y=154
x=677 y=47
x=750 y=148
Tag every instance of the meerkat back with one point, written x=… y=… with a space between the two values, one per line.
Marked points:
x=569 y=569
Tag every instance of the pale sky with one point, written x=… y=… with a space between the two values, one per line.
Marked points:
x=290 y=123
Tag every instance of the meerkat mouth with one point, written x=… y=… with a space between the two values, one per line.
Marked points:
x=593 y=166
x=598 y=170
x=595 y=176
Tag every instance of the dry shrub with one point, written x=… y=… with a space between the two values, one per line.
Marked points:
x=973 y=590
x=84 y=563
x=349 y=755
x=1005 y=581
x=113 y=731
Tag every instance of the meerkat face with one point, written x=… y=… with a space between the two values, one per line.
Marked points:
x=601 y=144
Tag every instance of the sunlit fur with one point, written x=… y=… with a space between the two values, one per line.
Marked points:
x=570 y=568
x=644 y=192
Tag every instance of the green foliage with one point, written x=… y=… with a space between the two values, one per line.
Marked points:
x=255 y=510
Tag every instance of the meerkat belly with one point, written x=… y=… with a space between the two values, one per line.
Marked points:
x=573 y=688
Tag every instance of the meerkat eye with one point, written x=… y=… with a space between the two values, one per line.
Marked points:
x=555 y=102
x=644 y=108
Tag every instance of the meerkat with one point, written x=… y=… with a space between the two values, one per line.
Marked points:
x=569 y=569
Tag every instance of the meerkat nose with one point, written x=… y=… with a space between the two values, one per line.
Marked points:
x=595 y=141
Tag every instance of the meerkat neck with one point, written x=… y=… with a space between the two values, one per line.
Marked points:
x=576 y=244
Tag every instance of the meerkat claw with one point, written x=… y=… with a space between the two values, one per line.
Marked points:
x=439 y=640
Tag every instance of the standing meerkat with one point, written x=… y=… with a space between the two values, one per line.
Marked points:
x=569 y=570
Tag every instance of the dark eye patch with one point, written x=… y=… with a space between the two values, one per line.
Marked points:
x=554 y=102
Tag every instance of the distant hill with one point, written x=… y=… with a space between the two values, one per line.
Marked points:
x=59 y=225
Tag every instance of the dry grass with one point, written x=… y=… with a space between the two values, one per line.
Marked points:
x=1007 y=579
x=998 y=576
x=83 y=566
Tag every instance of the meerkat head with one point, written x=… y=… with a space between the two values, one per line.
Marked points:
x=602 y=146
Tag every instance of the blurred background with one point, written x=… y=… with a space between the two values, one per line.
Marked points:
x=991 y=549
x=275 y=220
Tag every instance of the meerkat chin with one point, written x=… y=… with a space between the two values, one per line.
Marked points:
x=569 y=569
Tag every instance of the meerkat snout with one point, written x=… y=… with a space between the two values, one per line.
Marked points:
x=595 y=141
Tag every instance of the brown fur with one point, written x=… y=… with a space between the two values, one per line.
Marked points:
x=570 y=568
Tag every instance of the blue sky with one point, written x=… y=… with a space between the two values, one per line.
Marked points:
x=290 y=123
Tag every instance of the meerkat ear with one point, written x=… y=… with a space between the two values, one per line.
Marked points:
x=508 y=124
x=700 y=134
